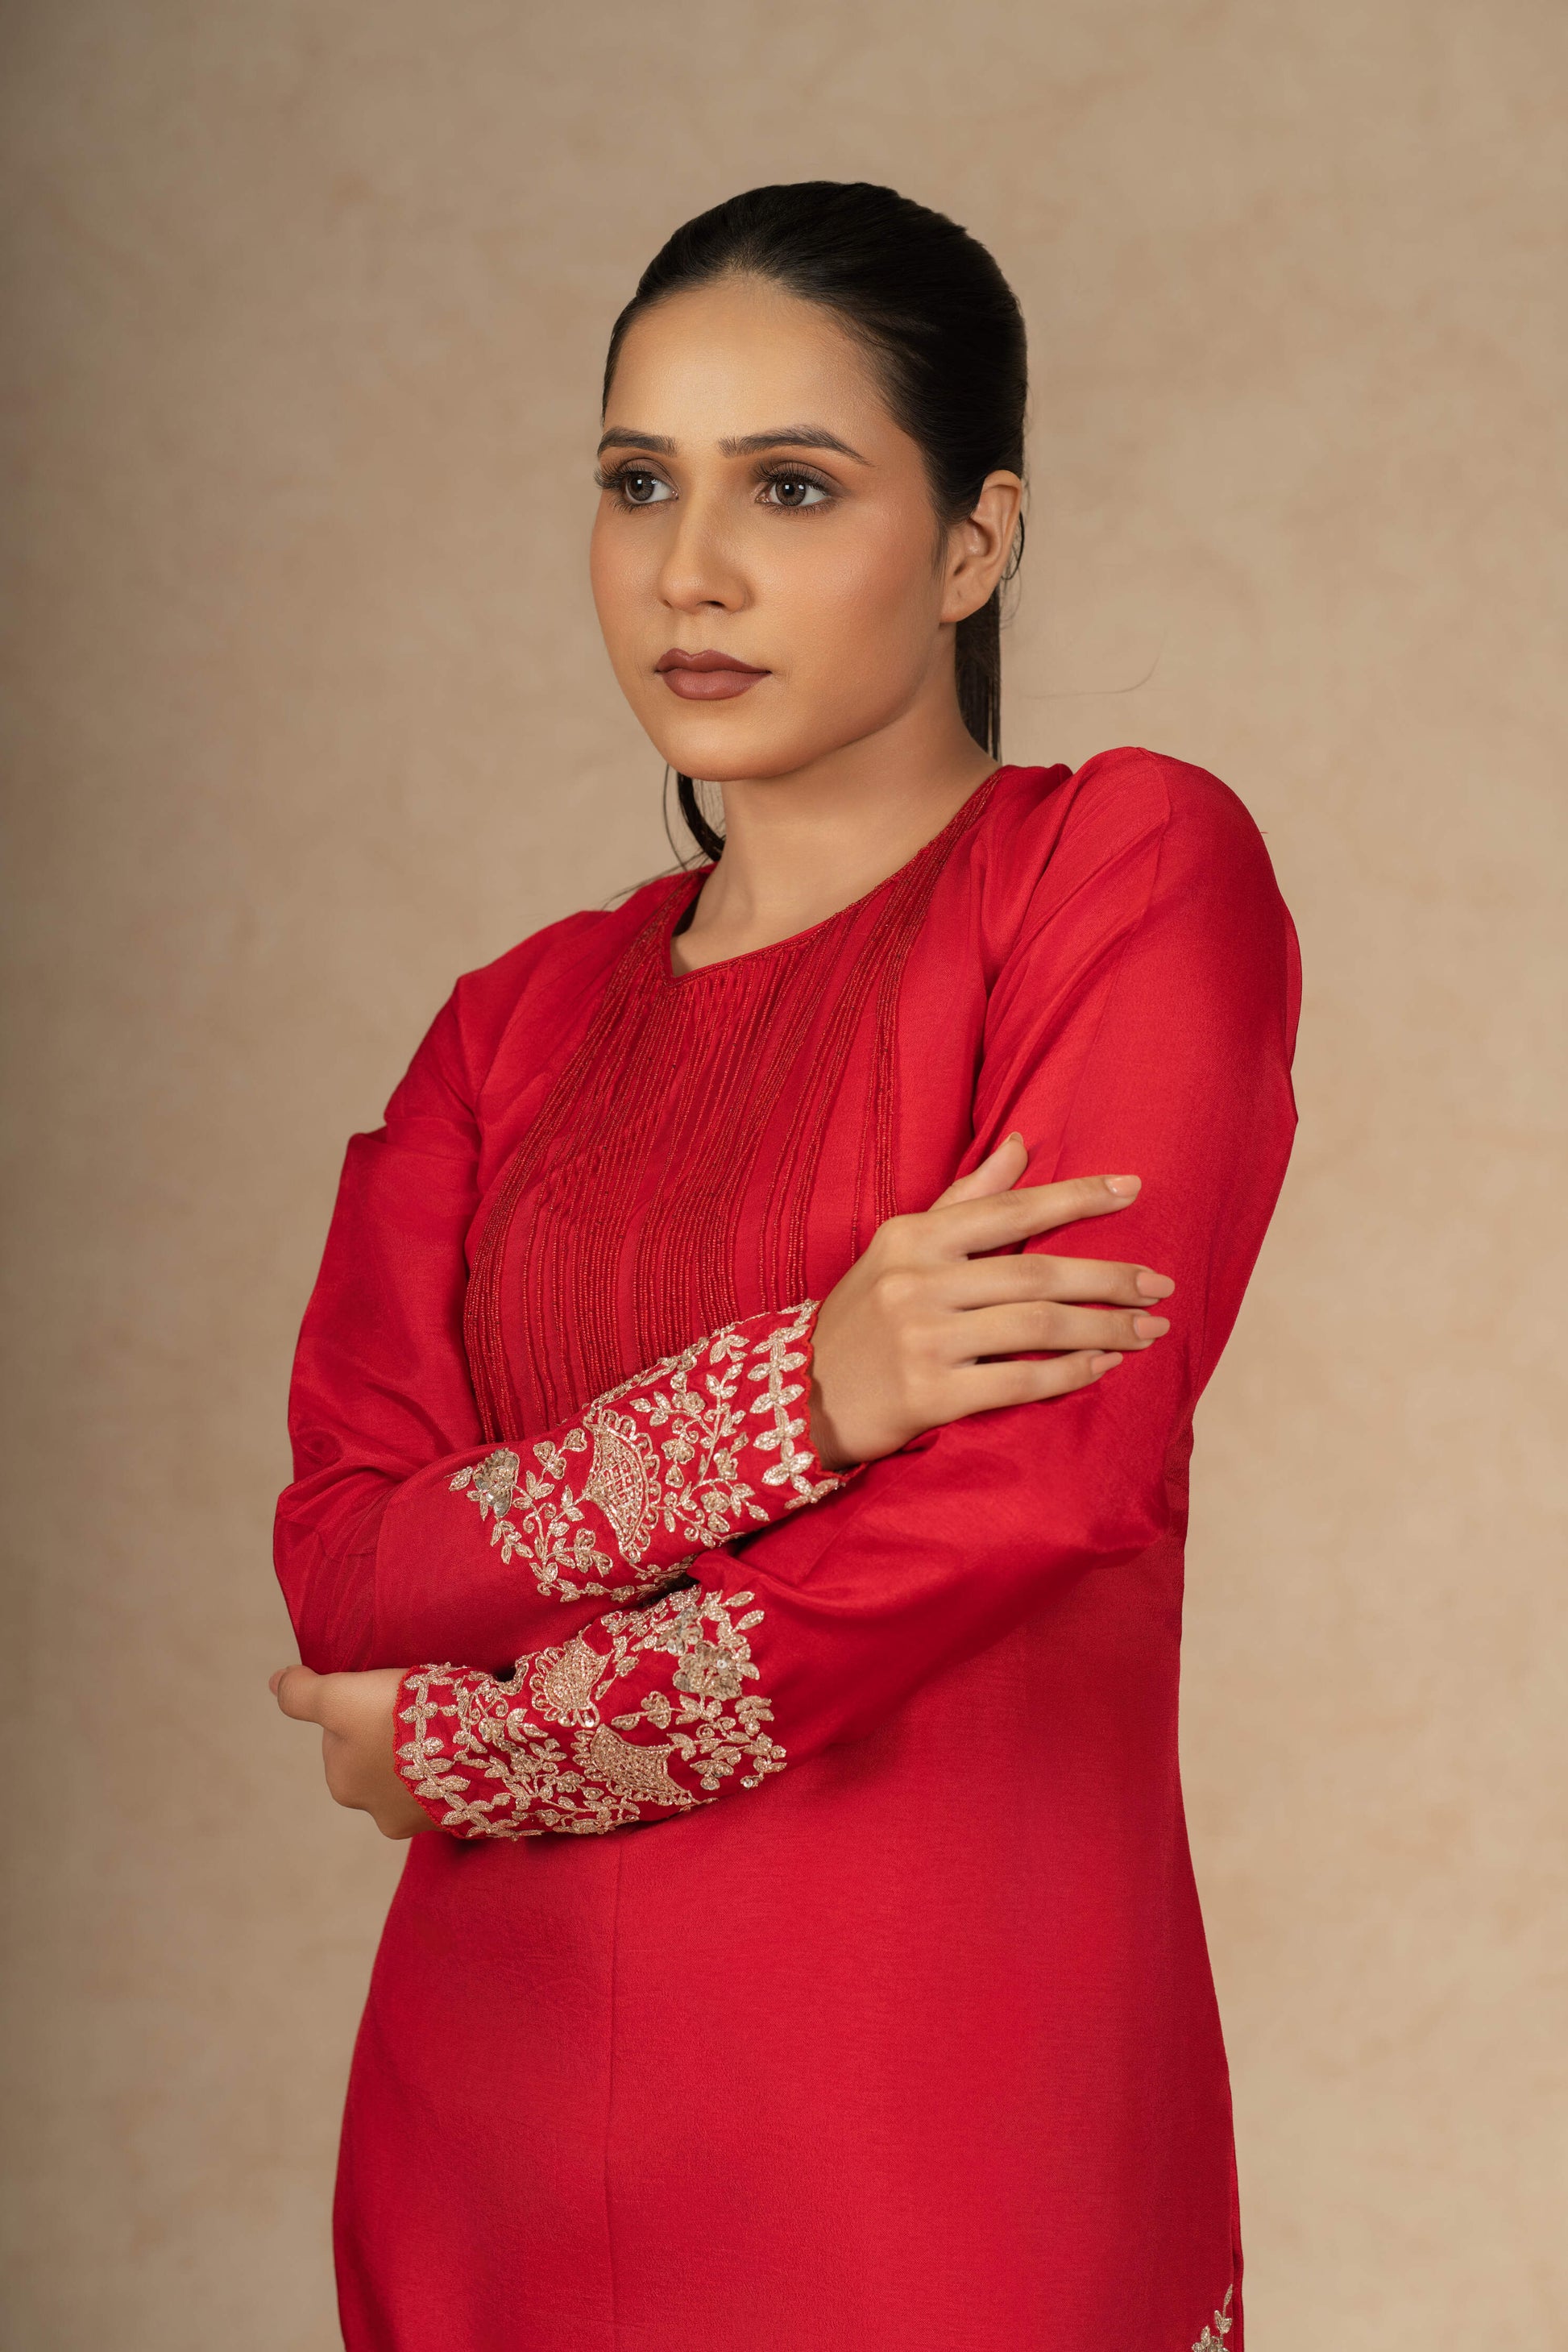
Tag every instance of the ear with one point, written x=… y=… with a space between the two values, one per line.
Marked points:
x=979 y=545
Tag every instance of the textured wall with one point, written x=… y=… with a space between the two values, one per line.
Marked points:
x=304 y=308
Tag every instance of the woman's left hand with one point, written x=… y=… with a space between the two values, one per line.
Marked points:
x=357 y=1715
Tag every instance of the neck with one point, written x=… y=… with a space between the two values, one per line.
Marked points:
x=800 y=847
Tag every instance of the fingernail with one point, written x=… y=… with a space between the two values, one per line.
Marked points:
x=1153 y=1285
x=1123 y=1184
x=1150 y=1327
x=1098 y=1364
x=1013 y=1136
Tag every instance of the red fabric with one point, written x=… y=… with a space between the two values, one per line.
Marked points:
x=911 y=2046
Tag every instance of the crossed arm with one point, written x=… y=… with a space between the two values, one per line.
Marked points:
x=723 y=1439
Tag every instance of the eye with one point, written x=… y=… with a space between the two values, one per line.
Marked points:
x=640 y=490
x=795 y=490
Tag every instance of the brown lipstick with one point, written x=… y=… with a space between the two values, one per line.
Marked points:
x=707 y=677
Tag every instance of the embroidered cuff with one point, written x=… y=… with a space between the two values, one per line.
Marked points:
x=707 y=1444
x=644 y=1714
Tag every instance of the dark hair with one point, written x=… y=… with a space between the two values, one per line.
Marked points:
x=943 y=326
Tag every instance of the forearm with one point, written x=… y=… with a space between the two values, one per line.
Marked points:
x=766 y=1660
x=494 y=1551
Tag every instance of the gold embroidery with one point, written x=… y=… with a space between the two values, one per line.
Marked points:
x=478 y=1754
x=632 y=1771
x=1212 y=2338
x=624 y=1481
x=706 y=1670
x=563 y=1683
x=794 y=1464
x=494 y=1483
x=689 y=1481
x=547 y=1526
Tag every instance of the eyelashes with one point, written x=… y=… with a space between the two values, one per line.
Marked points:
x=619 y=479
x=798 y=478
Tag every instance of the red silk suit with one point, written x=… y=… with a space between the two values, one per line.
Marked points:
x=811 y=1960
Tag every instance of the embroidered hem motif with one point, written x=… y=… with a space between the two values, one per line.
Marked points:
x=664 y=1500
x=489 y=1758
x=1213 y=2338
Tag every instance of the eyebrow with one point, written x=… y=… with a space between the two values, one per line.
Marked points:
x=745 y=445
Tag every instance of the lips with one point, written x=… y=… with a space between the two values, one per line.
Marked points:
x=707 y=677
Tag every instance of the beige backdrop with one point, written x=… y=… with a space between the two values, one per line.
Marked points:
x=306 y=304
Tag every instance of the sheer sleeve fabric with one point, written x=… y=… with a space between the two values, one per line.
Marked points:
x=403 y=1532
x=1145 y=1022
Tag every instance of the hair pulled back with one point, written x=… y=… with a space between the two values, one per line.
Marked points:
x=943 y=327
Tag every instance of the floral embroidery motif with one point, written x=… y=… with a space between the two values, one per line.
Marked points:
x=484 y=1756
x=1212 y=2338
x=671 y=1460
x=494 y=1482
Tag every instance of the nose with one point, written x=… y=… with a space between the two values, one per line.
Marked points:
x=700 y=571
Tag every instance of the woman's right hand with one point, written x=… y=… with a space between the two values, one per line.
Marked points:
x=921 y=1331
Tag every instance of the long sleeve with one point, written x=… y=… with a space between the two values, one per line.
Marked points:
x=404 y=1531
x=1144 y=1021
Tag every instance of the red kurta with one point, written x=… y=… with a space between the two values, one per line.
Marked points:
x=865 y=2008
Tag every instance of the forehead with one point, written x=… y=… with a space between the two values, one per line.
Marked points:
x=742 y=356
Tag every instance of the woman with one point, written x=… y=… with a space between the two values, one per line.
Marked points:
x=809 y=1956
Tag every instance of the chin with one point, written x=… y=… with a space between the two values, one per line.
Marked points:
x=721 y=755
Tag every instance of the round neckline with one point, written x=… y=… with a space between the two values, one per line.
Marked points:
x=681 y=902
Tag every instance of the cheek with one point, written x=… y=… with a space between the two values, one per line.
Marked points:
x=604 y=569
x=874 y=587
x=616 y=574
x=623 y=576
